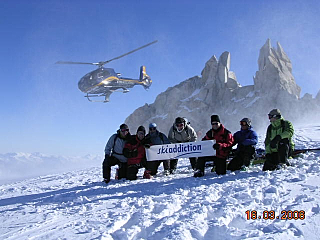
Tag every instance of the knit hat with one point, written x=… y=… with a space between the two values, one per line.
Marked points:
x=142 y=129
x=215 y=118
x=152 y=125
x=124 y=126
x=275 y=112
x=179 y=120
x=247 y=121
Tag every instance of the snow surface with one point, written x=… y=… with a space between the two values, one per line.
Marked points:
x=77 y=205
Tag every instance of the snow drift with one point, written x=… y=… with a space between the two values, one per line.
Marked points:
x=77 y=205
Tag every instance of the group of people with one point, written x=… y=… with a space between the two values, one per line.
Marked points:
x=129 y=151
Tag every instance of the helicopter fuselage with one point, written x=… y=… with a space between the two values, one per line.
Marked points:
x=104 y=80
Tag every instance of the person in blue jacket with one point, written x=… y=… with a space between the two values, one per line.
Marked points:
x=246 y=139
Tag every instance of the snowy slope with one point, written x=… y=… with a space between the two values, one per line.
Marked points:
x=77 y=205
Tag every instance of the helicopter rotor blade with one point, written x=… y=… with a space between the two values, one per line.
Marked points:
x=129 y=52
x=100 y=64
x=62 y=62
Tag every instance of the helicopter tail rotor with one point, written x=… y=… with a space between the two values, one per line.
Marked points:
x=144 y=78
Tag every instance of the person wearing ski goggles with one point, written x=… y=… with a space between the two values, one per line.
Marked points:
x=246 y=140
x=114 y=153
x=278 y=141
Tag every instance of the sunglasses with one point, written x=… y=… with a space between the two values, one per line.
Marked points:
x=214 y=123
x=124 y=130
x=243 y=124
x=152 y=128
x=179 y=124
x=140 y=133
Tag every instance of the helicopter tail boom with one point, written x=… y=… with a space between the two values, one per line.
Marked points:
x=144 y=78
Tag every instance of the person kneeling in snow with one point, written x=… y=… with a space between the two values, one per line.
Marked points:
x=134 y=150
x=246 y=139
x=223 y=145
x=114 y=153
x=278 y=142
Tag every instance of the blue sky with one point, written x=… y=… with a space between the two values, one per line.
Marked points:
x=42 y=109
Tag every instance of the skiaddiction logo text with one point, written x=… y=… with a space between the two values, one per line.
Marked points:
x=185 y=150
x=180 y=150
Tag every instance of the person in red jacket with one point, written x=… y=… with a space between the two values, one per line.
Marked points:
x=223 y=145
x=135 y=152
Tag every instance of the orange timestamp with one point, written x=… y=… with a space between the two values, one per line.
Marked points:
x=271 y=215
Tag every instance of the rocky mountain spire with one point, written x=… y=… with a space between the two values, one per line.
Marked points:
x=218 y=72
x=217 y=91
x=275 y=71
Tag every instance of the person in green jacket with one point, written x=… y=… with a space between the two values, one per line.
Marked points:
x=278 y=142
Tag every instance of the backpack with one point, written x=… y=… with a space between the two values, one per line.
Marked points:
x=112 y=149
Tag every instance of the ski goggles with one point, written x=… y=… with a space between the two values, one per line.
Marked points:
x=152 y=129
x=214 y=123
x=124 y=130
x=179 y=124
x=272 y=116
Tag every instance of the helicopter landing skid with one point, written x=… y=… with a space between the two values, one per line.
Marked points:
x=106 y=97
x=124 y=90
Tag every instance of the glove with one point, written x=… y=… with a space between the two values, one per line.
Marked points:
x=147 y=145
x=134 y=153
x=274 y=142
x=216 y=146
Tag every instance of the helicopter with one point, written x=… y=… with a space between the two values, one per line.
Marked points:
x=102 y=82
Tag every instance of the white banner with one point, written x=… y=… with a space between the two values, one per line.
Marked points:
x=181 y=150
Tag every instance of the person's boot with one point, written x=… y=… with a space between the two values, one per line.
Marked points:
x=193 y=163
x=198 y=173
x=147 y=174
x=106 y=175
x=106 y=180
x=117 y=174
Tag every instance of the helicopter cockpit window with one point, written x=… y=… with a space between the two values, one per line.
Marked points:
x=100 y=75
x=103 y=74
